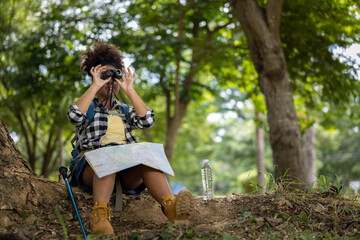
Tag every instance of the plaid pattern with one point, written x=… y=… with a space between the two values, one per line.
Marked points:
x=98 y=126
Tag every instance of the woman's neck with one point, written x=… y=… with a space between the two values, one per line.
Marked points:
x=106 y=104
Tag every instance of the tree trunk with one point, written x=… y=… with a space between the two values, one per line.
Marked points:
x=27 y=201
x=180 y=106
x=21 y=189
x=61 y=147
x=48 y=151
x=148 y=135
x=260 y=149
x=261 y=27
x=173 y=125
x=310 y=154
x=182 y=89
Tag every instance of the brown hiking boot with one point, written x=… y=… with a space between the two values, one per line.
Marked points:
x=100 y=219
x=178 y=209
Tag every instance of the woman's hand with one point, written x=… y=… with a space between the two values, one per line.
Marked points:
x=127 y=83
x=96 y=72
x=84 y=101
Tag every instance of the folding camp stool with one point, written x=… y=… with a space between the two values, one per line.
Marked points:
x=118 y=195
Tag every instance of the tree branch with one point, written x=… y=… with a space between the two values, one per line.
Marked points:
x=167 y=94
x=196 y=55
x=177 y=74
x=26 y=136
x=24 y=119
x=68 y=137
x=215 y=30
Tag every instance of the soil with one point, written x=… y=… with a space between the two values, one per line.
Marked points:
x=33 y=207
x=276 y=216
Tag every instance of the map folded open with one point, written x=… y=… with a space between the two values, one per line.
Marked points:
x=107 y=160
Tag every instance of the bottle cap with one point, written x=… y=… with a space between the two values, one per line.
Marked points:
x=206 y=161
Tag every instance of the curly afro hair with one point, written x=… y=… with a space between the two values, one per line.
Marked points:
x=101 y=53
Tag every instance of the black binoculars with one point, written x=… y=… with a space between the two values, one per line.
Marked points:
x=114 y=73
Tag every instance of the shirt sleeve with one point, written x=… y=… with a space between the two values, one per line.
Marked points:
x=140 y=122
x=75 y=116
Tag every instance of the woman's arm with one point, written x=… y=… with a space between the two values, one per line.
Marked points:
x=141 y=121
x=84 y=101
x=137 y=102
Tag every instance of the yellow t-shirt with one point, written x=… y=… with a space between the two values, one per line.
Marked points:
x=115 y=131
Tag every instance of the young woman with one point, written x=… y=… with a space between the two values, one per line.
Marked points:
x=110 y=127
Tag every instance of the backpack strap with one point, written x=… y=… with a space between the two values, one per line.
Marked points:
x=124 y=108
x=90 y=113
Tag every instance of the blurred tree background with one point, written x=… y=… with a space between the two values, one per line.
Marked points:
x=194 y=69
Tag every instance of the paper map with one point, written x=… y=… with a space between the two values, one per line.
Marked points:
x=107 y=160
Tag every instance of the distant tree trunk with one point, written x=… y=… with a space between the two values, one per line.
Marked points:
x=29 y=133
x=261 y=26
x=310 y=154
x=174 y=123
x=174 y=120
x=178 y=92
x=148 y=135
x=260 y=150
x=61 y=146
x=49 y=151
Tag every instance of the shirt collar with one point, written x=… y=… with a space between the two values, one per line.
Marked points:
x=99 y=104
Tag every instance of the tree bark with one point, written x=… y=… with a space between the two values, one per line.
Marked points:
x=20 y=188
x=261 y=27
x=260 y=150
x=27 y=201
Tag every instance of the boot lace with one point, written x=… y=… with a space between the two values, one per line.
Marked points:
x=167 y=201
x=102 y=212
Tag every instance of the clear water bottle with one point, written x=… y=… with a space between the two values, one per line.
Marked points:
x=207 y=180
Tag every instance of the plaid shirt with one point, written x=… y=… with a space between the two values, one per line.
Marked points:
x=98 y=126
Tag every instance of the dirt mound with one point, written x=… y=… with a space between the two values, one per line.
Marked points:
x=33 y=207
x=285 y=216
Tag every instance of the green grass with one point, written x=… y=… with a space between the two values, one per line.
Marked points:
x=58 y=214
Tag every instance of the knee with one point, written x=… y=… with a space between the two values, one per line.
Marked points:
x=111 y=176
x=107 y=178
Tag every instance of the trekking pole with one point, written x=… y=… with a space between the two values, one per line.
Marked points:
x=63 y=171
